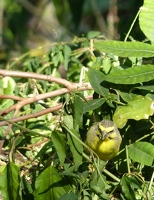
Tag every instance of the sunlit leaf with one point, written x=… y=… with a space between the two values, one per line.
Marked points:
x=75 y=147
x=50 y=185
x=43 y=150
x=146 y=19
x=142 y=152
x=138 y=108
x=146 y=87
x=93 y=34
x=59 y=141
x=74 y=144
x=96 y=80
x=69 y=196
x=58 y=58
x=106 y=65
x=67 y=54
x=132 y=75
x=78 y=111
x=97 y=190
x=68 y=121
x=7 y=86
x=10 y=182
x=129 y=186
x=125 y=49
x=92 y=104
x=4 y=184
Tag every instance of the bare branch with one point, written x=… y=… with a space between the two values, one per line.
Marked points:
x=34 y=115
x=60 y=81
x=69 y=87
x=11 y=97
x=36 y=98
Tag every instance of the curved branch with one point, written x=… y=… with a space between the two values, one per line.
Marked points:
x=11 y=97
x=60 y=81
x=36 y=98
x=34 y=115
x=38 y=114
x=69 y=87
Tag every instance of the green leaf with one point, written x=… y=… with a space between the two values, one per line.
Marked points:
x=93 y=34
x=97 y=190
x=146 y=19
x=50 y=185
x=78 y=111
x=96 y=80
x=126 y=96
x=138 y=108
x=73 y=136
x=125 y=49
x=58 y=58
x=67 y=54
x=10 y=182
x=98 y=183
x=75 y=147
x=7 y=87
x=59 y=141
x=129 y=186
x=142 y=152
x=146 y=87
x=4 y=184
x=69 y=196
x=106 y=65
x=27 y=188
x=68 y=121
x=144 y=189
x=92 y=104
x=43 y=150
x=133 y=75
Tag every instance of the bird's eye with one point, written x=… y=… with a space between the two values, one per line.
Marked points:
x=109 y=129
x=100 y=135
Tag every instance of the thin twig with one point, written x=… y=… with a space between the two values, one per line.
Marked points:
x=36 y=98
x=69 y=87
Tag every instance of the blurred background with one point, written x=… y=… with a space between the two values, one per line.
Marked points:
x=28 y=24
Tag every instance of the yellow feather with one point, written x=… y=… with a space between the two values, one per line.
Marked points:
x=104 y=139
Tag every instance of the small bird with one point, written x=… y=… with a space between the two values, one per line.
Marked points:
x=104 y=139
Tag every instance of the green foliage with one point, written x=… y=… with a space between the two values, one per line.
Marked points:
x=129 y=185
x=147 y=11
x=47 y=157
x=10 y=182
x=133 y=75
x=145 y=150
x=50 y=185
x=7 y=88
x=59 y=142
x=92 y=104
x=125 y=49
x=133 y=110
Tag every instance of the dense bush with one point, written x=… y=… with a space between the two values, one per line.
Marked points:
x=49 y=99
